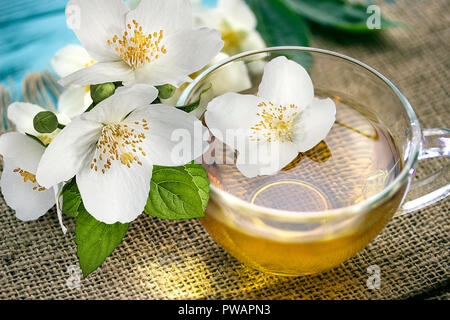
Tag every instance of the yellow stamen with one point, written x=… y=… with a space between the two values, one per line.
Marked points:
x=118 y=143
x=137 y=48
x=274 y=123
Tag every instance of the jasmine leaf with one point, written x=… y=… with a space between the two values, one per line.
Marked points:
x=178 y=192
x=71 y=199
x=194 y=105
x=95 y=240
x=200 y=178
x=280 y=26
x=338 y=14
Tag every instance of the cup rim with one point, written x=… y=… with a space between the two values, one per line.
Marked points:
x=369 y=203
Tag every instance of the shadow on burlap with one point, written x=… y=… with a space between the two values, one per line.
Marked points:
x=178 y=260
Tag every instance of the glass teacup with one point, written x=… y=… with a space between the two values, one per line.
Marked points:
x=267 y=236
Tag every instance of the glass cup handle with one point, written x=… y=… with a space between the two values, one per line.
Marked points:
x=435 y=187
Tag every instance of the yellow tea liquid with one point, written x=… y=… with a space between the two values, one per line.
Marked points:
x=356 y=160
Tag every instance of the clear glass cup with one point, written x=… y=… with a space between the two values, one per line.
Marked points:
x=280 y=242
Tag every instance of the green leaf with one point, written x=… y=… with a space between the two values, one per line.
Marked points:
x=96 y=240
x=194 y=105
x=280 y=26
x=338 y=14
x=200 y=178
x=71 y=199
x=178 y=192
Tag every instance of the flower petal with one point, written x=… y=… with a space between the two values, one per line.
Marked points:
x=230 y=117
x=19 y=195
x=187 y=52
x=119 y=195
x=101 y=72
x=96 y=22
x=65 y=156
x=70 y=59
x=155 y=15
x=174 y=137
x=265 y=158
x=22 y=150
x=74 y=101
x=237 y=14
x=314 y=124
x=286 y=82
x=118 y=106
x=22 y=115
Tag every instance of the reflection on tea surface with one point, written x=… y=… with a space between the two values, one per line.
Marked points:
x=357 y=160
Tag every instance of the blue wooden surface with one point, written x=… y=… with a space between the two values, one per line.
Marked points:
x=31 y=32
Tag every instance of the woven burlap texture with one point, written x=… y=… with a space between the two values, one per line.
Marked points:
x=178 y=260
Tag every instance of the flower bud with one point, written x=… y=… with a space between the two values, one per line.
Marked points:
x=166 y=91
x=45 y=122
x=100 y=92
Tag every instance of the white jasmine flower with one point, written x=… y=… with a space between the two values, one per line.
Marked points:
x=75 y=99
x=30 y=200
x=112 y=149
x=21 y=156
x=237 y=23
x=154 y=44
x=273 y=127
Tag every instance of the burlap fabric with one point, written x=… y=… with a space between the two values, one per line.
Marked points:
x=176 y=260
